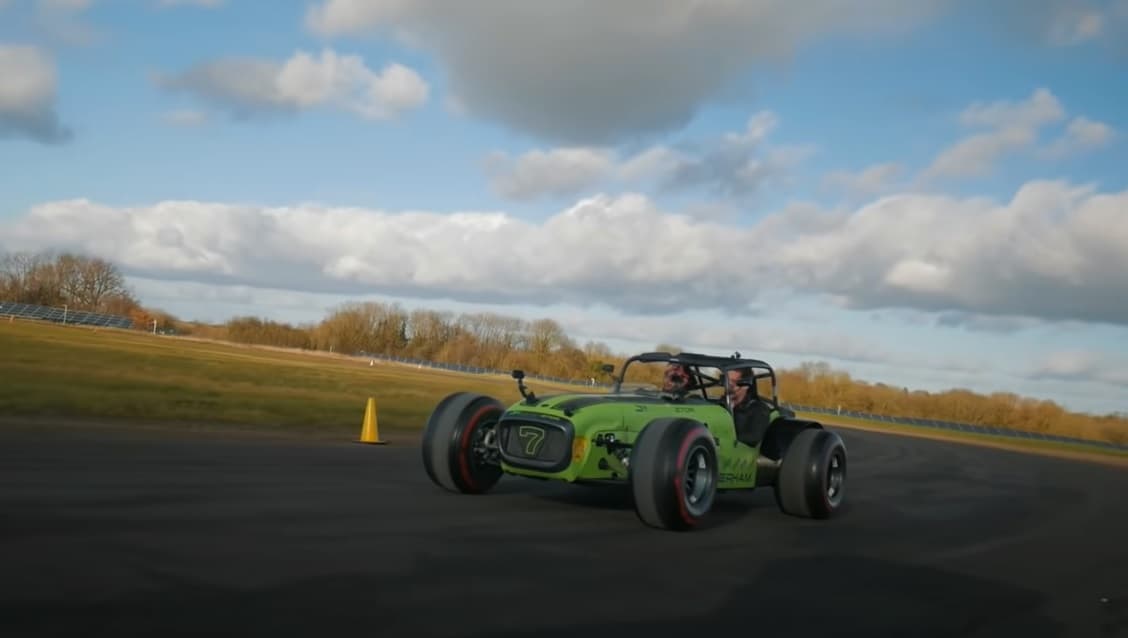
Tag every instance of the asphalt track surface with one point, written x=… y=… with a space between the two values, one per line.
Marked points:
x=142 y=533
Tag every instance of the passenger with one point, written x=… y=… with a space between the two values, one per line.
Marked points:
x=675 y=379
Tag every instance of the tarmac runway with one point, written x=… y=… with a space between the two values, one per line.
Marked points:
x=147 y=533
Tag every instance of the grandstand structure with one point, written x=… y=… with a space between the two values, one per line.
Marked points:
x=63 y=315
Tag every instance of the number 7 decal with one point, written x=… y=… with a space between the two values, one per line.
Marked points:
x=532 y=436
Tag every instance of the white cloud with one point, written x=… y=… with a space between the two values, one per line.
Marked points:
x=556 y=172
x=596 y=73
x=1080 y=28
x=692 y=329
x=1055 y=251
x=1040 y=108
x=1013 y=126
x=1066 y=23
x=870 y=181
x=28 y=83
x=626 y=69
x=1082 y=365
x=218 y=303
x=976 y=155
x=1053 y=23
x=250 y=86
x=28 y=80
x=1000 y=323
x=741 y=163
x=60 y=20
x=1082 y=134
x=737 y=164
x=185 y=117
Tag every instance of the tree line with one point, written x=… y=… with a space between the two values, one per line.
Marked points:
x=500 y=342
x=79 y=282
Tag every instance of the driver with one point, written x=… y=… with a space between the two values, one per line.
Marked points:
x=739 y=396
x=751 y=416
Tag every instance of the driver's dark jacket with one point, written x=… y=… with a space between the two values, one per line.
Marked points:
x=751 y=418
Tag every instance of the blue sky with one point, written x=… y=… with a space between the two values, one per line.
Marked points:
x=928 y=195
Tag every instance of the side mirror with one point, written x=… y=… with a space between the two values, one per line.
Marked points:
x=528 y=394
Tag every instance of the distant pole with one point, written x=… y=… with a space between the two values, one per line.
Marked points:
x=154 y=326
x=64 y=314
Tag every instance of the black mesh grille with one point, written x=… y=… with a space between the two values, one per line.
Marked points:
x=536 y=444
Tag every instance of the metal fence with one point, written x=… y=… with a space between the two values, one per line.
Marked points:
x=932 y=424
x=62 y=315
x=960 y=427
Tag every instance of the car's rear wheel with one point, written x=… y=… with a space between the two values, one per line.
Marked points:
x=812 y=478
x=459 y=449
x=674 y=473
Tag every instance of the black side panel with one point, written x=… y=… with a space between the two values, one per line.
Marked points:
x=782 y=431
x=752 y=422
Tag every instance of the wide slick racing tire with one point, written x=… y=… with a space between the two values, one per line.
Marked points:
x=674 y=474
x=458 y=441
x=812 y=479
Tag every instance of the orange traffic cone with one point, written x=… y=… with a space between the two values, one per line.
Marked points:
x=370 y=430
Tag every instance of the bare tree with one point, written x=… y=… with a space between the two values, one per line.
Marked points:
x=83 y=283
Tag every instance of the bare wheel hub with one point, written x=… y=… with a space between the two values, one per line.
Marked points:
x=697 y=480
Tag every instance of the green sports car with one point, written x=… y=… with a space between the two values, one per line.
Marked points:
x=678 y=428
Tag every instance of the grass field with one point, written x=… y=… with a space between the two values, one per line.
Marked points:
x=52 y=370
x=78 y=372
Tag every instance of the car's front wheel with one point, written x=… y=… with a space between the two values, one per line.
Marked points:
x=674 y=473
x=812 y=478
x=459 y=450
